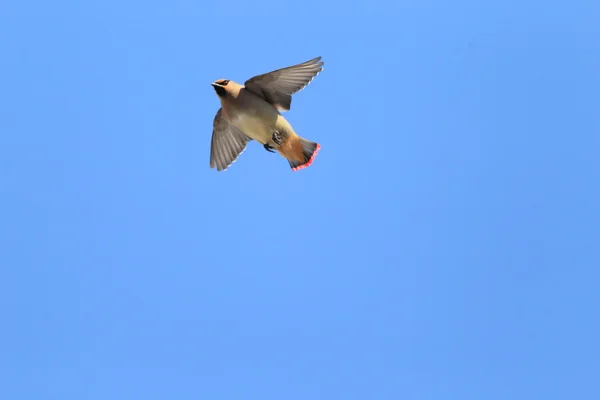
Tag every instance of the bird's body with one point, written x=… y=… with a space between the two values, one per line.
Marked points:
x=253 y=116
x=259 y=120
x=252 y=112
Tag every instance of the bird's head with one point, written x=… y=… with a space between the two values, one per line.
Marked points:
x=223 y=87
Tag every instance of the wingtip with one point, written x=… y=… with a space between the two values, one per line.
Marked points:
x=316 y=60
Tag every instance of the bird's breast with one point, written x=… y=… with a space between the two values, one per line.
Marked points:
x=256 y=125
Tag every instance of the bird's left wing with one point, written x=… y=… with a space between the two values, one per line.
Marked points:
x=227 y=143
x=277 y=87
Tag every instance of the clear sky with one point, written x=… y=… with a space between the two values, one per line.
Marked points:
x=443 y=245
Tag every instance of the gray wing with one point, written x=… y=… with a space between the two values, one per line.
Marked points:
x=277 y=86
x=227 y=143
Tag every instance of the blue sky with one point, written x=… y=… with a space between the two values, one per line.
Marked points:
x=443 y=245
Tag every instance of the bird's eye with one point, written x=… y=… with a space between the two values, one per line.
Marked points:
x=224 y=83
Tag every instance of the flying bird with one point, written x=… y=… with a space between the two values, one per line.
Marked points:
x=253 y=112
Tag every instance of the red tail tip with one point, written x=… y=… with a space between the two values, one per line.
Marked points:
x=307 y=164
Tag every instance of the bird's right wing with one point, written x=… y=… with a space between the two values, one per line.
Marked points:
x=277 y=87
x=227 y=143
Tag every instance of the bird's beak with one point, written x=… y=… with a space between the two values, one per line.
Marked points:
x=214 y=84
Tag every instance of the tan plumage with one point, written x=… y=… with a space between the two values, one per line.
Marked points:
x=252 y=112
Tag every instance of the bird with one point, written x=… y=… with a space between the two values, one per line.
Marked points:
x=252 y=111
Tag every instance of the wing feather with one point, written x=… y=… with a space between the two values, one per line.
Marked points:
x=227 y=143
x=277 y=87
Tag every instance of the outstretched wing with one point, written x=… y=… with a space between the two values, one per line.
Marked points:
x=277 y=87
x=227 y=143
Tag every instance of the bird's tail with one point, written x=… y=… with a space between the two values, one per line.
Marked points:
x=300 y=152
